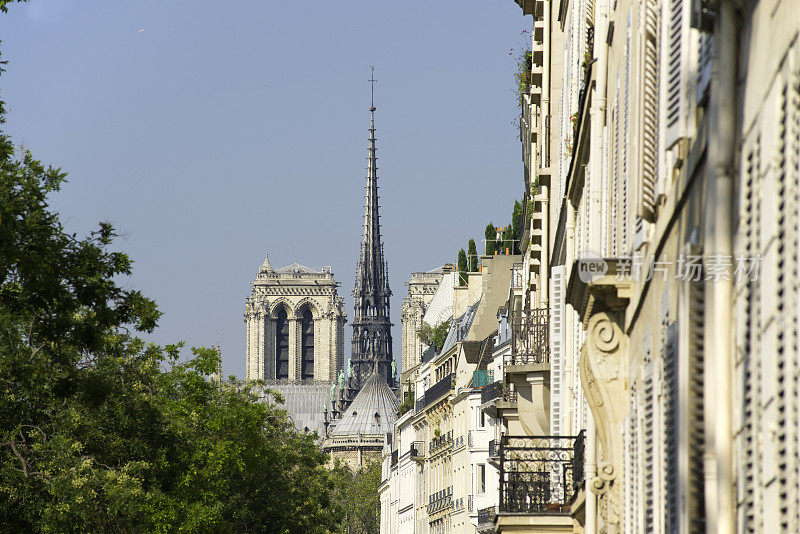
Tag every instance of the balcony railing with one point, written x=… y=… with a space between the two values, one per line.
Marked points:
x=439 y=389
x=482 y=378
x=530 y=338
x=494 y=450
x=486 y=515
x=497 y=391
x=538 y=473
x=441 y=442
x=417 y=450
x=419 y=405
x=440 y=500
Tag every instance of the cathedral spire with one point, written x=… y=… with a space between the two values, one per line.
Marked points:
x=372 y=337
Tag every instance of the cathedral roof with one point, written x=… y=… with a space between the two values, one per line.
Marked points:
x=297 y=268
x=374 y=398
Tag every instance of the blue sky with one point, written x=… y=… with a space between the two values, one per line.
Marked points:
x=223 y=131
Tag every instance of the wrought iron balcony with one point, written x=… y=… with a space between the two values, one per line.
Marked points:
x=497 y=391
x=538 y=474
x=530 y=338
x=486 y=515
x=491 y=392
x=441 y=442
x=417 y=450
x=440 y=500
x=439 y=389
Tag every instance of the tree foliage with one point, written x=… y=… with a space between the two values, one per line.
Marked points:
x=103 y=432
x=356 y=494
x=434 y=336
x=490 y=234
x=472 y=256
x=462 y=267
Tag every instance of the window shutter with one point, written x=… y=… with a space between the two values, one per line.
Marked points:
x=706 y=50
x=678 y=65
x=648 y=157
x=556 y=350
x=696 y=418
x=671 y=418
x=648 y=448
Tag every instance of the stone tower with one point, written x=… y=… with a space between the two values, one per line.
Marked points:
x=295 y=338
x=372 y=336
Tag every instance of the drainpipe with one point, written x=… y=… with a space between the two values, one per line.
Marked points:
x=598 y=115
x=590 y=472
x=718 y=237
x=545 y=157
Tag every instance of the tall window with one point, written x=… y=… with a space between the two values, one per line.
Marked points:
x=282 y=345
x=307 y=347
x=481 y=475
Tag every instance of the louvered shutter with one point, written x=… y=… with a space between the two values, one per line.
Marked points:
x=787 y=392
x=648 y=155
x=648 y=451
x=696 y=415
x=671 y=433
x=705 y=52
x=556 y=349
x=679 y=63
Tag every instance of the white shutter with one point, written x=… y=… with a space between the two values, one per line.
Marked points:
x=648 y=115
x=680 y=61
x=648 y=449
x=556 y=350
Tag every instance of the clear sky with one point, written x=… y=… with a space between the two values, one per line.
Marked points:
x=210 y=133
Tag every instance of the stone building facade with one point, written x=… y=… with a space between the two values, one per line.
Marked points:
x=421 y=289
x=295 y=337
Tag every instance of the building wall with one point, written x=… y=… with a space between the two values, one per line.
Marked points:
x=421 y=289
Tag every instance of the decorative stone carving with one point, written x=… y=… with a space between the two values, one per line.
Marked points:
x=604 y=358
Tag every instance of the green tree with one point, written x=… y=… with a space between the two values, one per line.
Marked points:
x=101 y=431
x=434 y=336
x=490 y=234
x=462 y=267
x=518 y=224
x=472 y=256
x=356 y=494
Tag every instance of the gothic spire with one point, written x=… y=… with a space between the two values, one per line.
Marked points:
x=372 y=338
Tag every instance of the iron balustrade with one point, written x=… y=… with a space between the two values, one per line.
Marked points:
x=497 y=391
x=416 y=450
x=578 y=479
x=440 y=500
x=439 y=389
x=440 y=442
x=491 y=392
x=537 y=474
x=486 y=515
x=530 y=338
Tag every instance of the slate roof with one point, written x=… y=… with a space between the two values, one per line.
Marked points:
x=359 y=418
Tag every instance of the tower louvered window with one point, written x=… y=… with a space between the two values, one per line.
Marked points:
x=282 y=345
x=307 y=346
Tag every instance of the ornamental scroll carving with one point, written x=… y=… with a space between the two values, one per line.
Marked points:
x=603 y=371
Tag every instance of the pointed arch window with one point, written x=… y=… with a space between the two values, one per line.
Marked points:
x=282 y=345
x=307 y=347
